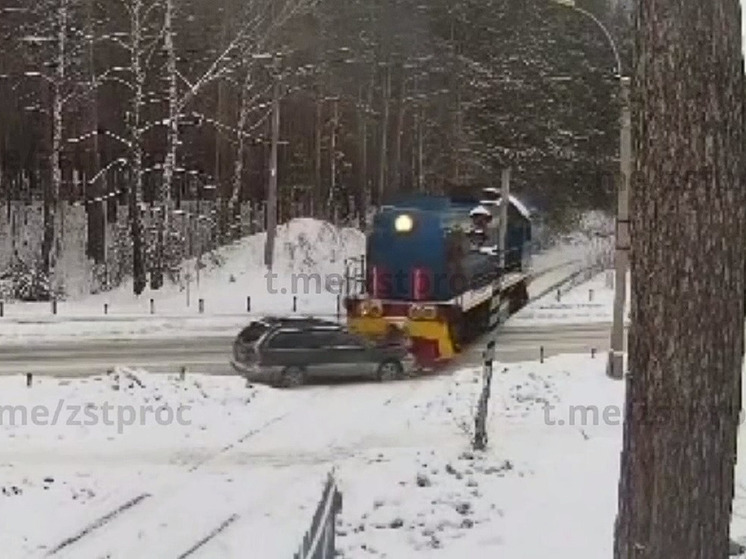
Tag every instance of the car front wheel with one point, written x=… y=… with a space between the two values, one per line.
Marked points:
x=292 y=377
x=389 y=370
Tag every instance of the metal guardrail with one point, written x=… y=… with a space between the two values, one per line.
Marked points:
x=318 y=542
x=576 y=278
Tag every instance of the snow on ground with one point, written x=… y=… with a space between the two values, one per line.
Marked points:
x=591 y=301
x=127 y=433
x=411 y=486
x=535 y=478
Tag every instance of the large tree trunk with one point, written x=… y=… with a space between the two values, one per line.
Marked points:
x=686 y=343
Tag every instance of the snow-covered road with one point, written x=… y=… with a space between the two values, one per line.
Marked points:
x=517 y=342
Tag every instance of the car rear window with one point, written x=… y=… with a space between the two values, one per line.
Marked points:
x=252 y=332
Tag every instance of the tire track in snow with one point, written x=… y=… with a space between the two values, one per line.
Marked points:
x=105 y=521
x=292 y=466
x=98 y=523
x=223 y=525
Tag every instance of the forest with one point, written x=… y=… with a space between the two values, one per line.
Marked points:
x=148 y=104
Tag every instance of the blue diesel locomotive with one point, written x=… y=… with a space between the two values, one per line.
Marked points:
x=434 y=271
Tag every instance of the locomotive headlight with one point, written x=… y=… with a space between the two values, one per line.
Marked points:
x=403 y=223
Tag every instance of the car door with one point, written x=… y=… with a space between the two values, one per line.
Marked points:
x=351 y=355
x=285 y=349
x=322 y=360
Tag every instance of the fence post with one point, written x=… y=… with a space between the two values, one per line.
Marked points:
x=106 y=308
x=541 y=354
x=363 y=274
x=248 y=304
x=339 y=310
x=559 y=294
x=295 y=303
x=29 y=379
x=347 y=277
x=2 y=309
x=54 y=306
x=590 y=295
x=319 y=540
x=201 y=306
x=480 y=422
x=152 y=306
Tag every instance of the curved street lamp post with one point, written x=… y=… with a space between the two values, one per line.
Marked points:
x=615 y=366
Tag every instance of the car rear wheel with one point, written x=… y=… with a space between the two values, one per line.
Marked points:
x=390 y=370
x=292 y=377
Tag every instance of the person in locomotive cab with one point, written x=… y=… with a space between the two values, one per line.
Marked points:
x=480 y=220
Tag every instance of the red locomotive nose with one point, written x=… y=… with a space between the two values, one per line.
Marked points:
x=420 y=284
x=378 y=282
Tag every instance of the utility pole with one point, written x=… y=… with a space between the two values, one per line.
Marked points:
x=504 y=205
x=420 y=152
x=333 y=158
x=615 y=366
x=383 y=153
x=269 y=246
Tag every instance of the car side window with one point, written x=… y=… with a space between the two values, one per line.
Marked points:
x=287 y=340
x=321 y=339
x=348 y=340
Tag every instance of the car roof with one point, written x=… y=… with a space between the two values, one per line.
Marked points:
x=299 y=323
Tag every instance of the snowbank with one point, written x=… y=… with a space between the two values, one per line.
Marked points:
x=310 y=260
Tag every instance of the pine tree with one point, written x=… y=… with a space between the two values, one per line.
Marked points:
x=687 y=335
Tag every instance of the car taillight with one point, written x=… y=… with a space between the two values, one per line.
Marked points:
x=377 y=284
x=420 y=284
